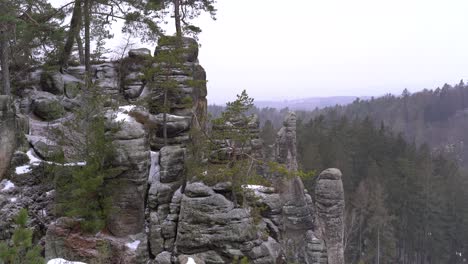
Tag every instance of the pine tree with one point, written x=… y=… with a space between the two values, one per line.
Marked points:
x=21 y=249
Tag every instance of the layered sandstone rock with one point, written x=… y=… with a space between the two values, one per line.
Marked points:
x=329 y=197
x=8 y=132
x=127 y=190
x=158 y=215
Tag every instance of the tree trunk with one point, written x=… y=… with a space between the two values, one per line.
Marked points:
x=72 y=33
x=177 y=18
x=79 y=43
x=4 y=58
x=87 y=25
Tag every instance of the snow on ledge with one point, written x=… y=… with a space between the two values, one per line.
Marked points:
x=23 y=169
x=254 y=187
x=63 y=261
x=8 y=186
x=133 y=245
x=258 y=189
x=122 y=113
x=34 y=161
x=191 y=261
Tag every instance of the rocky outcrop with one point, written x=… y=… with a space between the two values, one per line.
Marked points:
x=286 y=146
x=329 y=197
x=127 y=190
x=159 y=213
x=8 y=132
x=231 y=145
x=65 y=240
x=298 y=234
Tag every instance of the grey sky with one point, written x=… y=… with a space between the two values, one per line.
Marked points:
x=301 y=48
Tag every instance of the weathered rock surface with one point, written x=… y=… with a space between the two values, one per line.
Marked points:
x=26 y=189
x=65 y=240
x=286 y=150
x=212 y=228
x=229 y=147
x=52 y=82
x=329 y=196
x=8 y=130
x=106 y=76
x=47 y=107
x=127 y=190
x=142 y=52
x=158 y=215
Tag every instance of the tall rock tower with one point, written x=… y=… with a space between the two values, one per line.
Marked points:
x=312 y=230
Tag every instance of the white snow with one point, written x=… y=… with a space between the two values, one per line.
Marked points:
x=63 y=261
x=122 y=114
x=122 y=117
x=8 y=185
x=191 y=261
x=127 y=108
x=254 y=187
x=133 y=245
x=23 y=169
x=13 y=199
x=81 y=163
x=33 y=160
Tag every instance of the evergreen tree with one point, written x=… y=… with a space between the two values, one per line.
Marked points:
x=268 y=133
x=21 y=250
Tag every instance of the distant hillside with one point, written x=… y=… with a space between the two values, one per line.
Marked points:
x=309 y=103
x=437 y=117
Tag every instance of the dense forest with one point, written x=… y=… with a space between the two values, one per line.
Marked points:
x=401 y=200
x=403 y=163
x=436 y=117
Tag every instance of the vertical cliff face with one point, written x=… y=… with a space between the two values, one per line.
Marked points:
x=298 y=237
x=8 y=132
x=158 y=215
x=329 y=197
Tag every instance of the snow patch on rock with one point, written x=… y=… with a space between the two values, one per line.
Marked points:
x=8 y=185
x=63 y=261
x=133 y=245
x=34 y=161
x=23 y=169
x=122 y=113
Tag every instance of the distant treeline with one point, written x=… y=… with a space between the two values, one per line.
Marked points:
x=437 y=117
x=403 y=203
x=402 y=158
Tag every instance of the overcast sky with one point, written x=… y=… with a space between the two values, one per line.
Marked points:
x=277 y=49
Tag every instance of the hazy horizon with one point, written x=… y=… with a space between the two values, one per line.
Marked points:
x=302 y=48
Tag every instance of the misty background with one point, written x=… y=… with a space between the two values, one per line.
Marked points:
x=280 y=50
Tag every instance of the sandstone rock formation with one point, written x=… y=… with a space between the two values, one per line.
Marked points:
x=298 y=235
x=158 y=214
x=329 y=197
x=7 y=132
x=128 y=189
x=286 y=149
x=64 y=240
